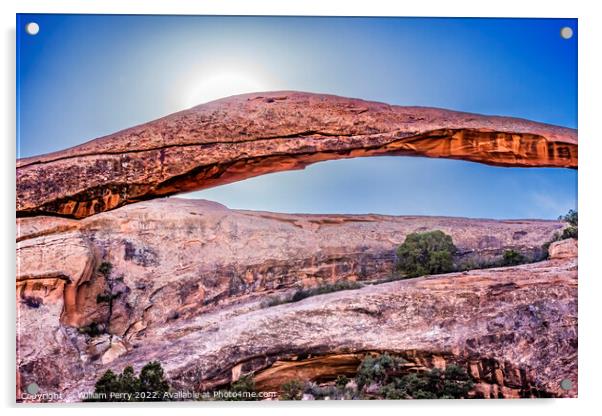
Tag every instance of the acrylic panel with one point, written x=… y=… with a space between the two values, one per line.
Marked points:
x=295 y=208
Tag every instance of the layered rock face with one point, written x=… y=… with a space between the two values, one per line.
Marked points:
x=249 y=135
x=564 y=249
x=187 y=254
x=192 y=280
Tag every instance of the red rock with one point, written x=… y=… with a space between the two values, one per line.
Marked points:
x=249 y=135
x=563 y=249
x=196 y=278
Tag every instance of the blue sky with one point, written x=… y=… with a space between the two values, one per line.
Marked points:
x=83 y=77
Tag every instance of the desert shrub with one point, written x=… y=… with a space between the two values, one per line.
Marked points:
x=453 y=383
x=426 y=253
x=546 y=246
x=392 y=278
x=301 y=294
x=274 y=301
x=106 y=384
x=32 y=301
x=328 y=392
x=127 y=382
x=152 y=379
x=92 y=330
x=151 y=385
x=242 y=389
x=572 y=219
x=385 y=371
x=570 y=232
x=512 y=258
x=377 y=369
x=341 y=381
x=321 y=290
x=456 y=383
x=468 y=265
x=292 y=390
x=106 y=297
x=105 y=268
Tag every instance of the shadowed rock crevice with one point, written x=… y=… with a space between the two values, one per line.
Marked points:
x=250 y=135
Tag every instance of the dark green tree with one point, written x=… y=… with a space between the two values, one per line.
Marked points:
x=572 y=230
x=152 y=379
x=292 y=390
x=341 y=381
x=426 y=253
x=105 y=268
x=151 y=385
x=128 y=382
x=243 y=389
x=377 y=369
x=571 y=217
x=106 y=384
x=512 y=258
x=453 y=383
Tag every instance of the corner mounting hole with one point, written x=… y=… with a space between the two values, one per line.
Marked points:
x=566 y=384
x=566 y=32
x=32 y=28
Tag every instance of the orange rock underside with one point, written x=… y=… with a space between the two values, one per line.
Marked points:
x=250 y=135
x=492 y=378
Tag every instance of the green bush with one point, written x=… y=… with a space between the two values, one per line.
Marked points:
x=105 y=268
x=426 y=253
x=386 y=371
x=152 y=378
x=93 y=330
x=377 y=369
x=321 y=290
x=106 y=297
x=571 y=217
x=341 y=381
x=242 y=390
x=151 y=385
x=301 y=294
x=571 y=231
x=327 y=392
x=292 y=390
x=513 y=258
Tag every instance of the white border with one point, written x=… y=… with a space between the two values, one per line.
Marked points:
x=590 y=209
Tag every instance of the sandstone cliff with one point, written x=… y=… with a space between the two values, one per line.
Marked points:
x=190 y=281
x=249 y=135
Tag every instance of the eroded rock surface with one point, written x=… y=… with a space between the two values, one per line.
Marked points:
x=564 y=249
x=191 y=280
x=249 y=135
x=176 y=256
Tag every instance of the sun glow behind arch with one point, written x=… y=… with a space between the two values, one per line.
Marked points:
x=219 y=84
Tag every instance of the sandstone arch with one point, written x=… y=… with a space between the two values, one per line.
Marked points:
x=249 y=135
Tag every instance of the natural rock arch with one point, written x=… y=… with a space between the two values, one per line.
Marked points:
x=249 y=135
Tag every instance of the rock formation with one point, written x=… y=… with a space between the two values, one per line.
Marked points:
x=192 y=281
x=564 y=249
x=207 y=290
x=249 y=135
